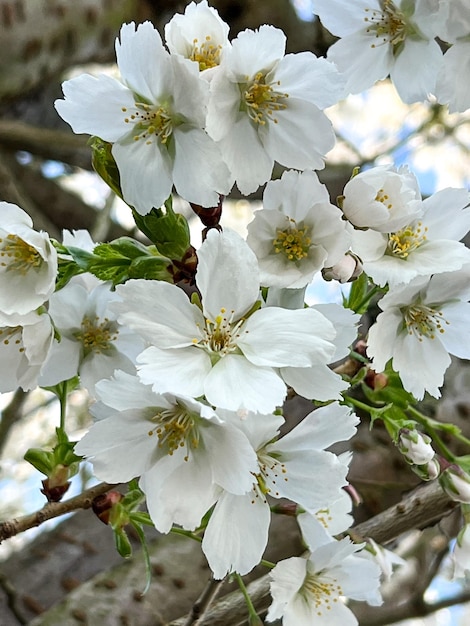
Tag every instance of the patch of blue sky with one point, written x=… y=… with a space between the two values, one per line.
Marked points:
x=304 y=9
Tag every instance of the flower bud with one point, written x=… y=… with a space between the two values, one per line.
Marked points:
x=415 y=446
x=102 y=505
x=456 y=483
x=428 y=471
x=346 y=270
x=374 y=380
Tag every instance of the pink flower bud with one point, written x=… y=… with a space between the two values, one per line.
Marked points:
x=346 y=270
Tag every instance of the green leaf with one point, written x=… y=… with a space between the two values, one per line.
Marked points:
x=40 y=459
x=66 y=270
x=122 y=259
x=357 y=294
x=169 y=231
x=104 y=164
x=151 y=268
x=123 y=545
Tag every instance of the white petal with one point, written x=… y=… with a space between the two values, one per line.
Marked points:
x=137 y=162
x=199 y=173
x=246 y=156
x=119 y=447
x=300 y=138
x=315 y=383
x=312 y=478
x=93 y=105
x=282 y=338
x=237 y=534
x=232 y=458
x=234 y=383
x=227 y=275
x=321 y=428
x=159 y=312
x=137 y=46
x=415 y=69
x=180 y=371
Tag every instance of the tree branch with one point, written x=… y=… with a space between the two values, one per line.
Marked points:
x=51 y=510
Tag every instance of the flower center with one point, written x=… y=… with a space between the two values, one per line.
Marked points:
x=97 y=336
x=272 y=467
x=384 y=199
x=293 y=242
x=404 y=241
x=320 y=590
x=424 y=321
x=176 y=428
x=150 y=121
x=261 y=101
x=206 y=54
x=17 y=255
x=388 y=25
x=220 y=336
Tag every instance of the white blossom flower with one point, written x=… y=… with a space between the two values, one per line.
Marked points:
x=25 y=342
x=154 y=118
x=226 y=352
x=383 y=198
x=421 y=324
x=295 y=466
x=92 y=343
x=385 y=37
x=266 y=106
x=199 y=35
x=450 y=88
x=312 y=591
x=297 y=232
x=425 y=246
x=28 y=262
x=183 y=453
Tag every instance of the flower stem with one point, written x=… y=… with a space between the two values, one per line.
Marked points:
x=253 y=615
x=63 y=404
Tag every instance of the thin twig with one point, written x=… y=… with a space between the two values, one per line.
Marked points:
x=51 y=510
x=202 y=604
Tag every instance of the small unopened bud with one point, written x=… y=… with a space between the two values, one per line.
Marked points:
x=57 y=483
x=456 y=483
x=345 y=271
x=54 y=493
x=285 y=508
x=415 y=446
x=375 y=381
x=428 y=471
x=103 y=504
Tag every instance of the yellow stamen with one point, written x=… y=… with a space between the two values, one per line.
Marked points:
x=260 y=100
x=17 y=255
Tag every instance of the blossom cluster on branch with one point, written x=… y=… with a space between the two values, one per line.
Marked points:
x=188 y=355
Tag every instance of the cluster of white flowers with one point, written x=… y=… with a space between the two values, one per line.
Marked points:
x=188 y=391
x=398 y=38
